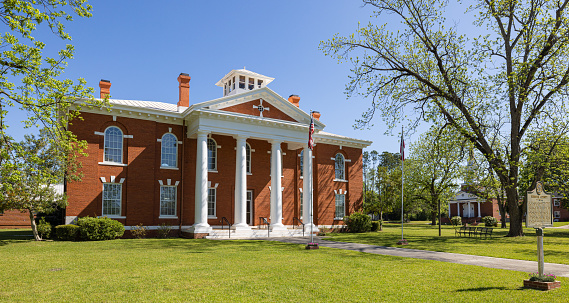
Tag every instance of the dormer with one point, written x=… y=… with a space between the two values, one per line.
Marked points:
x=241 y=80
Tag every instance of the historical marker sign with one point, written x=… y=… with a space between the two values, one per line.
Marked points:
x=539 y=208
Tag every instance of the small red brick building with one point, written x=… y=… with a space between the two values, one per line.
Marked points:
x=239 y=158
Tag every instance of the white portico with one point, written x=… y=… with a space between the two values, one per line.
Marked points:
x=465 y=204
x=213 y=118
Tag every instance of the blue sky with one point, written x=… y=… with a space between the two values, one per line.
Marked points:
x=141 y=47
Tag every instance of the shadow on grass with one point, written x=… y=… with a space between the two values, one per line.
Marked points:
x=15 y=236
x=482 y=289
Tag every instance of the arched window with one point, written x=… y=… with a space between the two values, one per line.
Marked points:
x=169 y=151
x=211 y=154
x=113 y=145
x=301 y=162
x=340 y=167
x=248 y=157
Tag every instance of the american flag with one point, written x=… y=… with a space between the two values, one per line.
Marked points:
x=310 y=132
x=402 y=147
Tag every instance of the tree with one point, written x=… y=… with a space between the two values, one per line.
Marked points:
x=32 y=82
x=505 y=80
x=386 y=184
x=436 y=167
x=28 y=178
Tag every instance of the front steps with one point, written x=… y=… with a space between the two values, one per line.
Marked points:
x=255 y=233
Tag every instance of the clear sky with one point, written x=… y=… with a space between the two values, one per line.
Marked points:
x=142 y=47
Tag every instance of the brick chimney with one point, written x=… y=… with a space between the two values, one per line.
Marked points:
x=105 y=88
x=294 y=99
x=184 y=80
x=316 y=115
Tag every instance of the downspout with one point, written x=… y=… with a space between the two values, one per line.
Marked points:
x=182 y=172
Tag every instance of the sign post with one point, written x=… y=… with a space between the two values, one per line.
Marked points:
x=539 y=215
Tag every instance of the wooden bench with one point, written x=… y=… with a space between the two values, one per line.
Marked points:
x=486 y=231
x=474 y=231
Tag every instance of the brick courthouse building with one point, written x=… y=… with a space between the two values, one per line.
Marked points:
x=241 y=157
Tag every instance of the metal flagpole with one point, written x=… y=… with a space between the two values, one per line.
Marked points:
x=402 y=179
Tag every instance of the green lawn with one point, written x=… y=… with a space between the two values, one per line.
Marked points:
x=173 y=270
x=425 y=237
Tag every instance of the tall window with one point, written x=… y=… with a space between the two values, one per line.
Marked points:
x=340 y=206
x=211 y=154
x=167 y=200
x=557 y=214
x=248 y=157
x=112 y=197
x=556 y=202
x=301 y=162
x=113 y=144
x=251 y=83
x=211 y=193
x=340 y=167
x=242 y=82
x=169 y=151
x=301 y=204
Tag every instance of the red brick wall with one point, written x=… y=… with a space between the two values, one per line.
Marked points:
x=14 y=219
x=141 y=190
x=248 y=109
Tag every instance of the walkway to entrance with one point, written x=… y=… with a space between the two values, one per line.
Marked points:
x=560 y=270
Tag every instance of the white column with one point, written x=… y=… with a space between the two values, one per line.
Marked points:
x=469 y=212
x=201 y=226
x=276 y=188
x=449 y=216
x=479 y=210
x=307 y=198
x=241 y=185
x=458 y=208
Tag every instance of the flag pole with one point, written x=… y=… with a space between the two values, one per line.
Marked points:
x=402 y=179
x=308 y=161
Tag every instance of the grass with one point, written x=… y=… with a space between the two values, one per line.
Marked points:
x=172 y=270
x=425 y=237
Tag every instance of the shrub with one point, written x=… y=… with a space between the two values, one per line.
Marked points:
x=542 y=278
x=358 y=223
x=44 y=228
x=138 y=231
x=164 y=230
x=456 y=220
x=66 y=232
x=374 y=225
x=490 y=221
x=96 y=229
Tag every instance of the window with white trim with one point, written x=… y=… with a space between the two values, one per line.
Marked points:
x=211 y=154
x=112 y=199
x=248 y=157
x=242 y=82
x=301 y=162
x=301 y=203
x=339 y=165
x=113 y=145
x=167 y=200
x=169 y=156
x=556 y=202
x=211 y=197
x=340 y=206
x=557 y=214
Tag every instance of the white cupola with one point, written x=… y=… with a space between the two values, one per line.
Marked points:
x=239 y=81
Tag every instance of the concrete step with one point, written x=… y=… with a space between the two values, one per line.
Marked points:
x=254 y=233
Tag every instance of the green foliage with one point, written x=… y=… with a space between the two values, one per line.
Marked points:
x=164 y=230
x=542 y=278
x=456 y=220
x=358 y=223
x=69 y=232
x=490 y=221
x=44 y=228
x=375 y=225
x=139 y=231
x=97 y=229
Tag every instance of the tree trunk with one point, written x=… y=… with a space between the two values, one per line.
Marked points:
x=502 y=209
x=439 y=210
x=516 y=229
x=433 y=218
x=381 y=220
x=34 y=226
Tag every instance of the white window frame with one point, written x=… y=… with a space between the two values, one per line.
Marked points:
x=214 y=169
x=121 y=145
x=557 y=214
x=162 y=151
x=556 y=202
x=301 y=164
x=301 y=196
x=111 y=200
x=214 y=216
x=343 y=199
x=337 y=168
x=175 y=202
x=248 y=158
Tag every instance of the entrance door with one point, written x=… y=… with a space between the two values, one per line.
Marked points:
x=249 y=215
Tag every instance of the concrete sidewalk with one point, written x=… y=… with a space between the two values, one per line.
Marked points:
x=560 y=270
